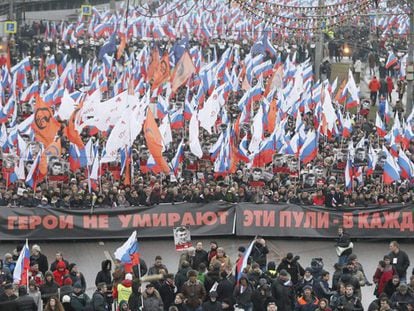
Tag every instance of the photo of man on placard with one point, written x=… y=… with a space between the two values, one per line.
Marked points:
x=182 y=238
x=360 y=158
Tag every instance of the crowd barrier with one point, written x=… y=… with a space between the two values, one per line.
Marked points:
x=212 y=219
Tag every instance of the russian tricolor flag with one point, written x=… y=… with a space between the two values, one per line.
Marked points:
x=310 y=148
x=20 y=274
x=347 y=127
x=243 y=260
x=265 y=69
x=348 y=175
x=381 y=130
x=177 y=119
x=178 y=158
x=128 y=253
x=406 y=166
x=391 y=170
x=391 y=61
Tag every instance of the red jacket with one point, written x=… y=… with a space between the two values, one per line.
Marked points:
x=374 y=85
x=60 y=273
x=390 y=85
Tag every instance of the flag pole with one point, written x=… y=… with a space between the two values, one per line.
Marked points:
x=27 y=270
x=139 y=276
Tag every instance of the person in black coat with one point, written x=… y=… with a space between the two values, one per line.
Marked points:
x=259 y=252
x=391 y=286
x=344 y=246
x=104 y=276
x=38 y=257
x=166 y=291
x=25 y=302
x=400 y=260
x=135 y=301
x=283 y=292
x=212 y=304
x=49 y=288
x=8 y=299
x=292 y=266
x=181 y=275
x=260 y=295
x=200 y=256
x=225 y=287
x=143 y=269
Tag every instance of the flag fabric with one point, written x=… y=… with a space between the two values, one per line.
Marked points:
x=406 y=165
x=381 y=129
x=162 y=74
x=182 y=72
x=243 y=260
x=391 y=170
x=309 y=149
x=128 y=253
x=154 y=141
x=154 y=64
x=44 y=124
x=109 y=47
x=20 y=273
x=391 y=60
x=32 y=177
x=348 y=174
x=194 y=141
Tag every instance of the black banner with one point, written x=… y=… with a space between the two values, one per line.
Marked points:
x=282 y=220
x=290 y=220
x=155 y=221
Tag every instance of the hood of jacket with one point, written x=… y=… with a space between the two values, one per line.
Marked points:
x=106 y=265
x=126 y=283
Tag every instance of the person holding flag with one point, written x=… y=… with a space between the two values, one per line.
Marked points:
x=20 y=274
x=128 y=253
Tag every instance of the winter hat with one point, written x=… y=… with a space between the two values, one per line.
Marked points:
x=241 y=249
x=283 y=272
x=68 y=281
x=77 y=285
x=307 y=287
x=61 y=265
x=308 y=269
x=48 y=273
x=128 y=277
x=271 y=265
x=122 y=303
x=66 y=299
x=36 y=248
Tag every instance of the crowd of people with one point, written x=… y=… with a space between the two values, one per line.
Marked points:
x=208 y=279
x=285 y=178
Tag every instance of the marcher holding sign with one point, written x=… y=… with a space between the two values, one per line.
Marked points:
x=182 y=238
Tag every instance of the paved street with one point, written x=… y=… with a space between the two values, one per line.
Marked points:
x=88 y=255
